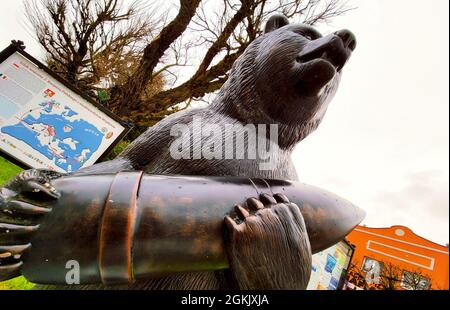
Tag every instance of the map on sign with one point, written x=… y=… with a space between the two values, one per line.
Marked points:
x=46 y=125
x=57 y=131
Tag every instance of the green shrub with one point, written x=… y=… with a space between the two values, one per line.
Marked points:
x=117 y=150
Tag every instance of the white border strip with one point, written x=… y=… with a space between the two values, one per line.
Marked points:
x=398 y=240
x=430 y=267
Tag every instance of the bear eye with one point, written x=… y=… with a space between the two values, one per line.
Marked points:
x=308 y=33
x=305 y=31
x=312 y=35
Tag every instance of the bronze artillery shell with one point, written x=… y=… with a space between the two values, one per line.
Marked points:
x=131 y=225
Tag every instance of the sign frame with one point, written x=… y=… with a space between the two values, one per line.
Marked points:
x=345 y=273
x=19 y=47
x=317 y=275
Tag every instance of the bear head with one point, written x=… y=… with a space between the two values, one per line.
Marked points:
x=287 y=76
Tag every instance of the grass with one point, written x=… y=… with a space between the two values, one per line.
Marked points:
x=7 y=171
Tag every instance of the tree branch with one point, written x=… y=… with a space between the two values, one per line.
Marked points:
x=129 y=94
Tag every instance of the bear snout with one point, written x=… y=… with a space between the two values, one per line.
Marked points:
x=336 y=48
x=348 y=38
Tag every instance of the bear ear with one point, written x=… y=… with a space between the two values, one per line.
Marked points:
x=275 y=21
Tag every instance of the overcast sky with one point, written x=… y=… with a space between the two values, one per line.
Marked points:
x=384 y=141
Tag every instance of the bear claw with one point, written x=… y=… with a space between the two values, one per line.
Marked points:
x=10 y=271
x=25 y=207
x=267 y=199
x=281 y=198
x=255 y=204
x=243 y=213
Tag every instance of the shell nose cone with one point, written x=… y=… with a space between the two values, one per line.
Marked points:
x=348 y=38
x=328 y=217
x=361 y=214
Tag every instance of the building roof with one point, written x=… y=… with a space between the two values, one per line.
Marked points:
x=404 y=234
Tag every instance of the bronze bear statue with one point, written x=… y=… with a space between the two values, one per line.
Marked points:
x=286 y=77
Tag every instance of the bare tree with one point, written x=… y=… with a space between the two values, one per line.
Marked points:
x=356 y=275
x=92 y=44
x=390 y=277
x=415 y=280
x=207 y=36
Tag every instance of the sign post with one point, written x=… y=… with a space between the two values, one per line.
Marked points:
x=47 y=123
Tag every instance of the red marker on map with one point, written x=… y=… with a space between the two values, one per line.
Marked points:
x=51 y=131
